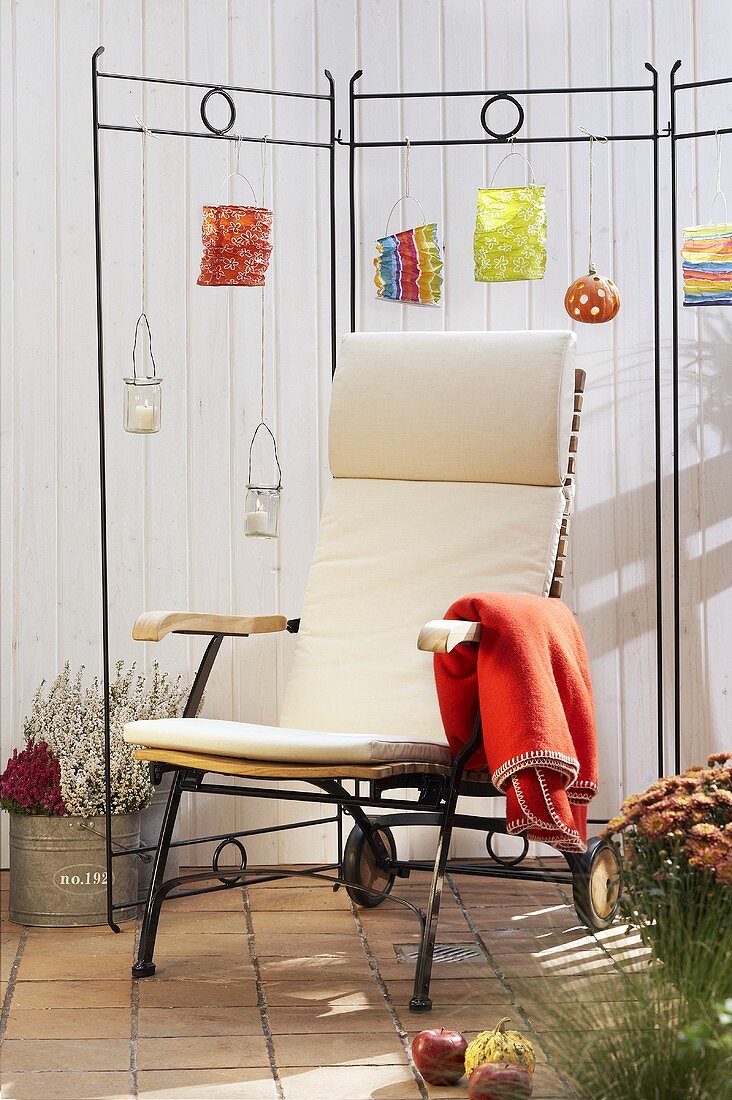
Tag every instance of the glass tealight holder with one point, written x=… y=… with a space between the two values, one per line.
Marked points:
x=262 y=512
x=143 y=399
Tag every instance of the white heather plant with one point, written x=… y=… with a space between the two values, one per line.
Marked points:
x=69 y=717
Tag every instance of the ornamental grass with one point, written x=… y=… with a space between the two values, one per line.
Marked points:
x=666 y=1034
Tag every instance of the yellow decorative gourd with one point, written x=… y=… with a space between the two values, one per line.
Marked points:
x=500 y=1045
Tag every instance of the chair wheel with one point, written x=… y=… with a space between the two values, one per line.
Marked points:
x=360 y=867
x=596 y=884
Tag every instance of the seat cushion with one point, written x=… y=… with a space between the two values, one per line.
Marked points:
x=453 y=406
x=271 y=743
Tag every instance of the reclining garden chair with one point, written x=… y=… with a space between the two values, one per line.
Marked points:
x=452 y=457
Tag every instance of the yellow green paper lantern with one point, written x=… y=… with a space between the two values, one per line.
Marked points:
x=509 y=243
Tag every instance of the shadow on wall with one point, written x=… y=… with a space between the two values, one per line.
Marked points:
x=624 y=619
x=707 y=362
x=717 y=561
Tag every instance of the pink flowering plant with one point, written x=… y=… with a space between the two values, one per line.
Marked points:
x=31 y=782
x=677 y=864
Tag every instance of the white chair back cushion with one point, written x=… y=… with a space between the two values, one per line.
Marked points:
x=400 y=540
x=390 y=556
x=453 y=406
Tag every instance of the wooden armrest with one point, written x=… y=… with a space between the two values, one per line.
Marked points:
x=442 y=635
x=152 y=626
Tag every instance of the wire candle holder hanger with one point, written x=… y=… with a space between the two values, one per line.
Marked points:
x=143 y=392
x=718 y=192
x=262 y=504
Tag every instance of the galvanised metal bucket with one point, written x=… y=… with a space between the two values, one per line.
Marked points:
x=58 y=875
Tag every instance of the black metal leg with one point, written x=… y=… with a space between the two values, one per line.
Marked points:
x=421 y=1001
x=145 y=967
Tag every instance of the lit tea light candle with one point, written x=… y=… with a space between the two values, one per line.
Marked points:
x=258 y=521
x=145 y=418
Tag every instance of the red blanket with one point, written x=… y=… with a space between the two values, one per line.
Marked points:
x=529 y=675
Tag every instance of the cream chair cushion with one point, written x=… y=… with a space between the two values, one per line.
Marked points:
x=453 y=406
x=240 y=739
x=448 y=452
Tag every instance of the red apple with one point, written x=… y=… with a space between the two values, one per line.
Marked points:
x=439 y=1055
x=500 y=1081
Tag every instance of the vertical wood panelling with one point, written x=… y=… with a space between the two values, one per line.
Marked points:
x=463 y=168
x=77 y=501
x=295 y=362
x=9 y=724
x=177 y=499
x=629 y=263
x=714 y=412
x=693 y=698
x=595 y=577
x=672 y=39
x=35 y=392
x=505 y=66
x=254 y=561
x=126 y=454
x=378 y=171
x=209 y=451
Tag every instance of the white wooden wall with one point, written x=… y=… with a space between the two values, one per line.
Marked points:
x=176 y=500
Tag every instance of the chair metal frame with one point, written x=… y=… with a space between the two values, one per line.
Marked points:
x=439 y=786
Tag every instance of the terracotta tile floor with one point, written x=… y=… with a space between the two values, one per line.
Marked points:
x=284 y=991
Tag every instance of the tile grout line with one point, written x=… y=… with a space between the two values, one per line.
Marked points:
x=261 y=996
x=501 y=976
x=383 y=989
x=12 y=979
x=135 y=1017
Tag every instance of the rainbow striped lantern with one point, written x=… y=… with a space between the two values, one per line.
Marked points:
x=707 y=265
x=409 y=266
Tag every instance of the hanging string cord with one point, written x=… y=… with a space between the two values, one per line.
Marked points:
x=718 y=179
x=262 y=423
x=405 y=194
x=262 y=316
x=143 y=212
x=593 y=138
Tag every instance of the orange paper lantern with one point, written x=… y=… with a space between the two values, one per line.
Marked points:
x=593 y=299
x=236 y=245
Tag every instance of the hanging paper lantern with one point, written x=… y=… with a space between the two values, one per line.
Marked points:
x=509 y=242
x=707 y=265
x=236 y=245
x=592 y=299
x=409 y=266
x=510 y=234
